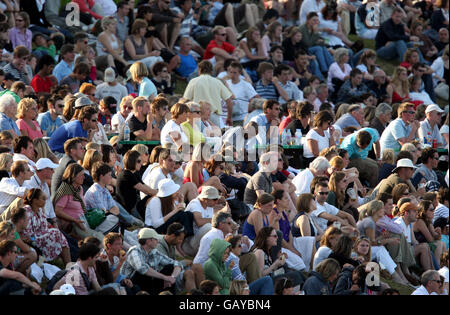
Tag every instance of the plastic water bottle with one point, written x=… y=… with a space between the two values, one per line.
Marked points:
x=283 y=137
x=126 y=132
x=298 y=136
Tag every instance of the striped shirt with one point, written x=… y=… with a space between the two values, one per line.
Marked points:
x=268 y=92
x=441 y=211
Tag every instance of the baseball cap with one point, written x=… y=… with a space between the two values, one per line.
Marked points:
x=433 y=107
x=45 y=163
x=110 y=75
x=209 y=192
x=147 y=233
x=82 y=102
x=68 y=289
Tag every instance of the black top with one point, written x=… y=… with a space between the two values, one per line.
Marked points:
x=446 y=76
x=437 y=20
x=136 y=125
x=389 y=32
x=290 y=49
x=296 y=231
x=426 y=13
x=126 y=194
x=344 y=260
x=278 y=177
x=296 y=124
x=4 y=173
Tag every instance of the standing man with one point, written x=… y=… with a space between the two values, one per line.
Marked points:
x=122 y=19
x=401 y=130
x=211 y=90
x=429 y=128
x=50 y=121
x=85 y=126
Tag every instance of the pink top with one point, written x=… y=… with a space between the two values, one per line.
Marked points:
x=70 y=206
x=336 y=72
x=33 y=134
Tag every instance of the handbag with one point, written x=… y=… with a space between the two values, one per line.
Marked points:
x=95 y=217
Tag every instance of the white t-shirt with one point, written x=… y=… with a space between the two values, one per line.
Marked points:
x=322 y=142
x=243 y=93
x=321 y=209
x=153 y=213
x=322 y=253
x=153 y=178
x=406 y=229
x=422 y=291
x=196 y=206
x=302 y=182
x=171 y=126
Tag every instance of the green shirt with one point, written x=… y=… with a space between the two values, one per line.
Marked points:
x=309 y=39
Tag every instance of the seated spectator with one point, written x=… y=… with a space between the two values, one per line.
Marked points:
x=431 y=281
x=331 y=28
x=289 y=91
x=428 y=131
x=218 y=49
x=440 y=82
x=353 y=88
x=272 y=36
x=172 y=132
x=441 y=210
x=318 y=167
x=427 y=49
x=319 y=282
x=162 y=78
x=107 y=108
x=13 y=281
x=190 y=127
x=111 y=87
x=215 y=268
x=351 y=281
x=50 y=241
x=303 y=67
x=339 y=70
x=70 y=206
x=43 y=81
x=268 y=87
x=118 y=119
x=366 y=22
x=313 y=42
x=84 y=126
x=391 y=40
x=341 y=197
x=27 y=113
x=253 y=49
x=66 y=65
x=415 y=94
x=438 y=18
x=320 y=137
x=11 y=188
x=401 y=174
x=73 y=80
x=23 y=148
x=425 y=232
x=49 y=121
x=135 y=45
x=430 y=159
x=8 y=112
x=383 y=114
x=139 y=121
x=187 y=68
x=20 y=34
x=342 y=252
x=322 y=97
x=400 y=130
x=291 y=107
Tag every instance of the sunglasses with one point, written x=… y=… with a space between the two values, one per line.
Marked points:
x=60 y=106
x=93 y=120
x=323 y=193
x=438 y=281
x=196 y=111
x=222 y=34
x=410 y=112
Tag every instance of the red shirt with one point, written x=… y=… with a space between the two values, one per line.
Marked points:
x=212 y=44
x=40 y=84
x=284 y=124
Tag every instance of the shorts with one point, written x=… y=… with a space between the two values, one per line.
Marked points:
x=239 y=15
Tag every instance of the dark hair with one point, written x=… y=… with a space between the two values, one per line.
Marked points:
x=427 y=153
x=233 y=240
x=100 y=169
x=280 y=68
x=158 y=103
x=20 y=143
x=275 y=47
x=322 y=117
x=363 y=138
x=281 y=284
x=66 y=48
x=71 y=144
x=278 y=194
x=355 y=72
x=6 y=247
x=87 y=112
x=45 y=60
x=106 y=151
x=390 y=291
x=71 y=171
x=304 y=109
x=175 y=229
x=130 y=160
x=82 y=68
x=344 y=246
x=79 y=36
x=384 y=197
x=32 y=194
x=261 y=238
x=207 y=286
x=404 y=155
x=270 y=13
x=205 y=67
x=442 y=195
x=154 y=155
x=269 y=104
x=88 y=250
x=18 y=214
x=329 y=8
x=311 y=15
x=158 y=67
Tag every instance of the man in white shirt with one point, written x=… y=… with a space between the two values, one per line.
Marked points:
x=111 y=87
x=24 y=151
x=326 y=212
x=202 y=208
x=431 y=281
x=243 y=92
x=309 y=6
x=119 y=118
x=441 y=210
x=221 y=226
x=11 y=188
x=429 y=128
x=44 y=172
x=302 y=180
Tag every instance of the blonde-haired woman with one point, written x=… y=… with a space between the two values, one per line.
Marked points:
x=253 y=48
x=367 y=227
x=339 y=70
x=398 y=89
x=136 y=48
x=109 y=43
x=6 y=160
x=27 y=113
x=367 y=63
x=43 y=151
x=139 y=74
x=273 y=36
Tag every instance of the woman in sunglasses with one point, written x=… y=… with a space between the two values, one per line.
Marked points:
x=424 y=231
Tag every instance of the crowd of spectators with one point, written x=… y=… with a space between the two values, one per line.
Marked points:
x=224 y=147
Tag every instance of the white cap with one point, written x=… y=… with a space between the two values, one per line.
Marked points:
x=209 y=192
x=110 y=75
x=167 y=187
x=404 y=163
x=433 y=107
x=45 y=163
x=68 y=289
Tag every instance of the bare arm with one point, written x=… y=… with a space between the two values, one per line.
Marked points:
x=145 y=189
x=313 y=146
x=221 y=53
x=199 y=220
x=348 y=217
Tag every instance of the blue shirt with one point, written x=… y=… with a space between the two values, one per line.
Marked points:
x=62 y=70
x=394 y=131
x=99 y=197
x=188 y=65
x=268 y=92
x=354 y=152
x=67 y=131
x=7 y=123
x=347 y=120
x=48 y=124
x=147 y=88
